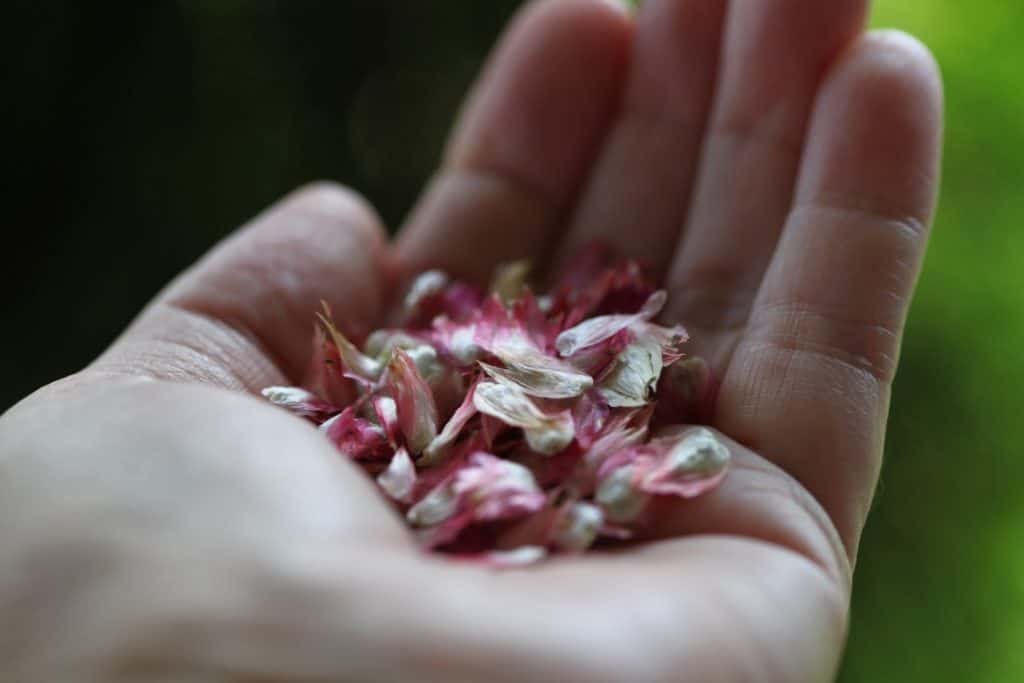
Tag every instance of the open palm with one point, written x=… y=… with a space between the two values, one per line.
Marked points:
x=773 y=163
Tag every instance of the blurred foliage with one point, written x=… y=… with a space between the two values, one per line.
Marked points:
x=139 y=133
x=939 y=594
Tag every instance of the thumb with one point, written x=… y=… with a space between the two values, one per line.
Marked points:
x=240 y=317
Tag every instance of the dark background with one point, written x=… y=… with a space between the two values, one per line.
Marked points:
x=138 y=134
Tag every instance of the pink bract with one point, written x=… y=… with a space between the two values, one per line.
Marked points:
x=507 y=426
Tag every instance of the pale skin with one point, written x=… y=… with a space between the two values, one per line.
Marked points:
x=774 y=163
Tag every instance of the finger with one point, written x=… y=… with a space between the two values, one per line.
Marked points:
x=809 y=384
x=242 y=317
x=524 y=142
x=637 y=198
x=775 y=55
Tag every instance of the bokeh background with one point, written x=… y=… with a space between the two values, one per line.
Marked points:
x=137 y=134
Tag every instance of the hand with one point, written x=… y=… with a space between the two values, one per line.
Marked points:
x=156 y=522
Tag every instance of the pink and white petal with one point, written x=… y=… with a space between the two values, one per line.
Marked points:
x=596 y=330
x=355 y=437
x=439 y=505
x=597 y=360
x=547 y=434
x=497 y=489
x=438 y=448
x=326 y=374
x=434 y=294
x=577 y=527
x=616 y=443
x=691 y=462
x=538 y=374
x=445 y=532
x=535 y=320
x=399 y=479
x=590 y=414
x=457 y=341
x=634 y=376
x=620 y=497
x=550 y=471
x=387 y=415
x=496 y=328
x=417 y=412
x=353 y=359
x=596 y=284
x=670 y=338
x=522 y=556
x=381 y=343
x=553 y=436
x=510 y=281
x=425 y=285
x=301 y=402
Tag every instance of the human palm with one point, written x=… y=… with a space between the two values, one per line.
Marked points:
x=773 y=164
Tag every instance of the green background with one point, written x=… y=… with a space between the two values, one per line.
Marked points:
x=939 y=594
x=139 y=133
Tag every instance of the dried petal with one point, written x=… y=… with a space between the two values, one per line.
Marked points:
x=485 y=488
x=458 y=341
x=619 y=496
x=553 y=438
x=692 y=462
x=586 y=267
x=634 y=376
x=671 y=339
x=427 y=362
x=546 y=434
x=494 y=329
x=299 y=401
x=435 y=452
x=381 y=343
x=595 y=284
x=387 y=415
x=433 y=294
x=506 y=559
x=538 y=375
x=597 y=360
x=539 y=327
x=498 y=330
x=399 y=479
x=577 y=529
x=596 y=330
x=518 y=557
x=510 y=280
x=590 y=415
x=357 y=438
x=352 y=357
x=417 y=413
x=623 y=431
x=436 y=507
x=497 y=489
x=326 y=371
x=425 y=285
x=460 y=301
